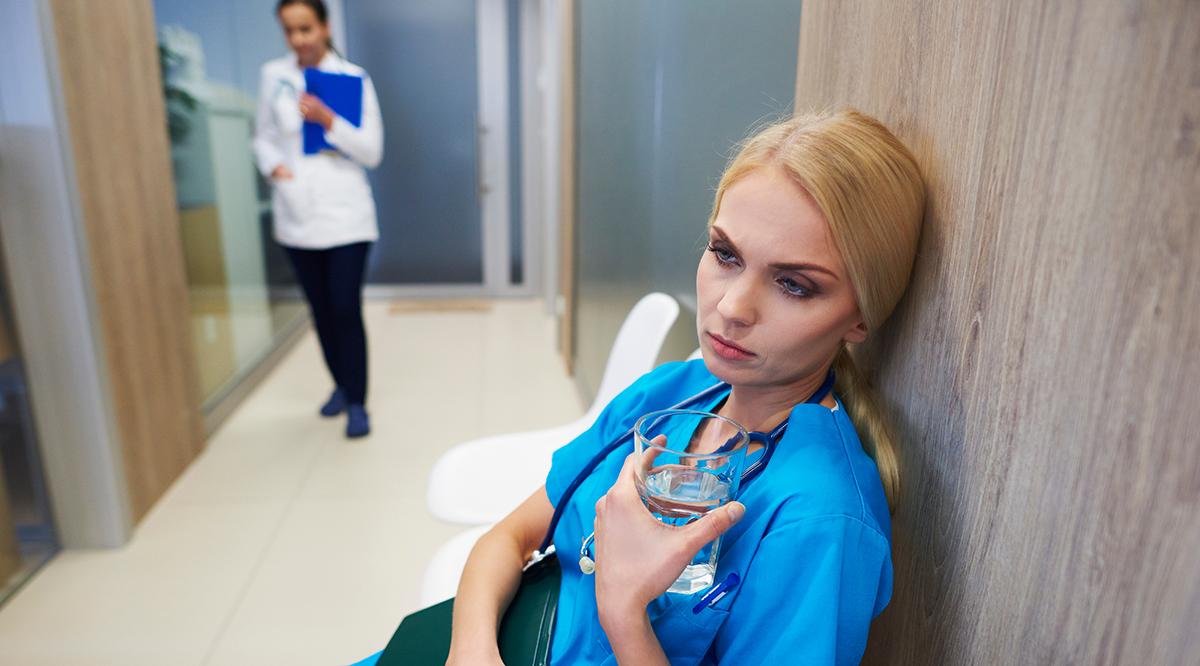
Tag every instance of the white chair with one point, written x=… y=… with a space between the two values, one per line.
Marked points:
x=446 y=567
x=482 y=481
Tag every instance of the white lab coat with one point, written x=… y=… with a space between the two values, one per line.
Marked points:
x=328 y=203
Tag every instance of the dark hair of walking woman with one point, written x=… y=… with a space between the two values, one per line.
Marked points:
x=305 y=24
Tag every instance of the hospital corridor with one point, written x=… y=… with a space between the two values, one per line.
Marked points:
x=599 y=332
x=282 y=545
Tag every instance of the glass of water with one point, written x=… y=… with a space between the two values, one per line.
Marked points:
x=689 y=463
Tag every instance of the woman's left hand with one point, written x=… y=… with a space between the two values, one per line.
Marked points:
x=638 y=557
x=315 y=111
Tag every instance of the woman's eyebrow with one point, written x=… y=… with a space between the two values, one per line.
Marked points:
x=717 y=230
x=802 y=266
x=805 y=267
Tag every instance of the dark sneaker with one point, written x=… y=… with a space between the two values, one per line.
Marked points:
x=336 y=404
x=358 y=424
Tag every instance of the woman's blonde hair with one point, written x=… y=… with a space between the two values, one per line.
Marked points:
x=869 y=188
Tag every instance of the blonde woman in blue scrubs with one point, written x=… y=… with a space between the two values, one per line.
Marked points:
x=810 y=245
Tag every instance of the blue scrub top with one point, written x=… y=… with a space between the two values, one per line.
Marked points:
x=813 y=551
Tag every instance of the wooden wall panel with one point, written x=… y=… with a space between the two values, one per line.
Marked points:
x=1045 y=365
x=108 y=62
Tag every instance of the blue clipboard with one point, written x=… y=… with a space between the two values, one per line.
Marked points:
x=342 y=93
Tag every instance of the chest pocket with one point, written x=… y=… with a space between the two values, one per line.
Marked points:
x=685 y=636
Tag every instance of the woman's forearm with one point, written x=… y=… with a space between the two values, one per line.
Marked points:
x=364 y=143
x=491 y=578
x=633 y=640
x=489 y=581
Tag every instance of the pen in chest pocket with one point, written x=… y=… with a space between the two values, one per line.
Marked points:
x=717 y=593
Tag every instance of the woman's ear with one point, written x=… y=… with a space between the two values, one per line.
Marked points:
x=857 y=333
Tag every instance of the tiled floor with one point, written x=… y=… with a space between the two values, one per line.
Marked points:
x=285 y=543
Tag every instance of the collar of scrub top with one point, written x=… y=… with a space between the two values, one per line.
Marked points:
x=768 y=440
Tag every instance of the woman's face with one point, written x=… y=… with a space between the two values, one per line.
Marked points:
x=774 y=299
x=305 y=33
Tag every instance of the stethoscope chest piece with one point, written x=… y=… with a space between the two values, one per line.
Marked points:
x=587 y=565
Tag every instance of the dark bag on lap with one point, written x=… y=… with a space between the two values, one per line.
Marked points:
x=423 y=638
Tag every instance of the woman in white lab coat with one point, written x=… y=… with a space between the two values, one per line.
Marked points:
x=323 y=208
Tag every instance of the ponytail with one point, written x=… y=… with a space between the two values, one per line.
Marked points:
x=873 y=428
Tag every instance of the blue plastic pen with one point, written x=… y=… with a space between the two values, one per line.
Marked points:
x=714 y=595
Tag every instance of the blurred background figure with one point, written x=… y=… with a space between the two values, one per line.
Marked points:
x=324 y=210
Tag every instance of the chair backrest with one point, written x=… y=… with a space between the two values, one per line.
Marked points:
x=636 y=348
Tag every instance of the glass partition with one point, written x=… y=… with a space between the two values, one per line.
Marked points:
x=27 y=537
x=241 y=291
x=665 y=92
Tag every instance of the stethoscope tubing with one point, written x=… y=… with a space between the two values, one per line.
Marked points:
x=767 y=439
x=601 y=455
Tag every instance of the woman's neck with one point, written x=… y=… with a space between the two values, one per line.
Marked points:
x=763 y=407
x=320 y=56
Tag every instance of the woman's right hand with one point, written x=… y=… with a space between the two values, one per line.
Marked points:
x=638 y=556
x=281 y=172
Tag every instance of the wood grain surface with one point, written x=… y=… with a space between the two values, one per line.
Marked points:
x=1045 y=365
x=112 y=89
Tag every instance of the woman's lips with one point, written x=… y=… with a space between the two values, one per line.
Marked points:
x=727 y=350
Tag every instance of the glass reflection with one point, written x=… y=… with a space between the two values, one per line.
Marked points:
x=27 y=537
x=241 y=293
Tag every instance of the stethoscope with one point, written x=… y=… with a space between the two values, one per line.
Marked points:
x=768 y=440
x=285 y=86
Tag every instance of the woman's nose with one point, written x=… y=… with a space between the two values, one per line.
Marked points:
x=737 y=304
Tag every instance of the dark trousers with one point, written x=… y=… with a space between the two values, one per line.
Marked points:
x=332 y=280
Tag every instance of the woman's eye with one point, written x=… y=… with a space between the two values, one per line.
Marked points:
x=793 y=288
x=723 y=256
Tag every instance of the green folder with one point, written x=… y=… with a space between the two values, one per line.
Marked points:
x=423 y=638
